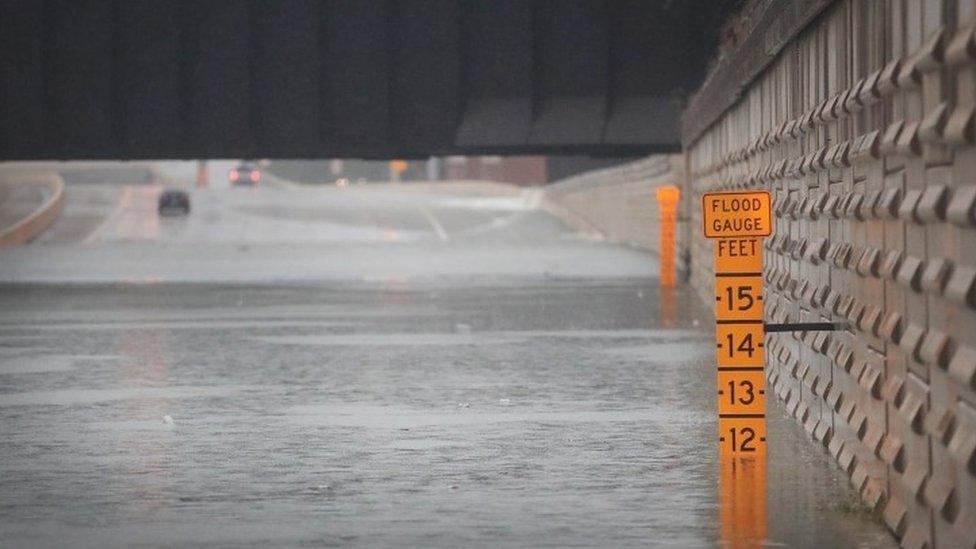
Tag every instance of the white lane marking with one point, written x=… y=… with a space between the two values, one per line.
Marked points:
x=124 y=200
x=438 y=228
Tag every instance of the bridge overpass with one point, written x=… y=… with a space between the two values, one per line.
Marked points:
x=310 y=79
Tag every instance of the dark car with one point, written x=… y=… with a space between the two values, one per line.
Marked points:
x=245 y=174
x=174 y=202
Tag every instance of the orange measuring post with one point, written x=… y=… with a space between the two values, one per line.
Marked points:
x=667 y=203
x=738 y=222
x=740 y=358
x=397 y=167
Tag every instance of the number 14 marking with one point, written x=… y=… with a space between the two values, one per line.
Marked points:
x=739 y=345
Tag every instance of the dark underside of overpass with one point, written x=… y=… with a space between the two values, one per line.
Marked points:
x=379 y=78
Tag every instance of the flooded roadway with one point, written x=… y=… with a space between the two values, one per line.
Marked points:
x=541 y=406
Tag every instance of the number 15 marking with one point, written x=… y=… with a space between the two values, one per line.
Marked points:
x=738 y=298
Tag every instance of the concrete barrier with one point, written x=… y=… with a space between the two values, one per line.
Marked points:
x=36 y=222
x=618 y=203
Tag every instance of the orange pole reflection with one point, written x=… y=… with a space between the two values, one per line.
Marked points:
x=668 y=307
x=742 y=501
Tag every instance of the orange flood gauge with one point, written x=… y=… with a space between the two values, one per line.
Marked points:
x=667 y=204
x=738 y=222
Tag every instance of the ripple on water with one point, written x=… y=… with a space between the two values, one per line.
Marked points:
x=482 y=338
x=70 y=397
x=28 y=364
x=35 y=363
x=670 y=351
x=398 y=417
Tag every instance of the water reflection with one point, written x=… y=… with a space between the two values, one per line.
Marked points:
x=668 y=306
x=742 y=501
x=147 y=478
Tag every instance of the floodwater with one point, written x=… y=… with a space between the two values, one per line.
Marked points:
x=523 y=413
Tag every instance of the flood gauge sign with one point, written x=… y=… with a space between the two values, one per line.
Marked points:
x=737 y=222
x=738 y=214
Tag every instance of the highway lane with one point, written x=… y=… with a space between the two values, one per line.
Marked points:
x=429 y=365
x=291 y=213
x=362 y=232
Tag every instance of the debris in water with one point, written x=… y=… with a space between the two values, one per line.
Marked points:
x=168 y=419
x=505 y=401
x=464 y=404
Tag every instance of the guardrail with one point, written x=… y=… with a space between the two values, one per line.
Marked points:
x=36 y=222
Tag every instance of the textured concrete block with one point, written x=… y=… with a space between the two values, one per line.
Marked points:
x=886 y=244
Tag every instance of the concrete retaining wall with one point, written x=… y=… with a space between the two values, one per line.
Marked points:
x=862 y=121
x=36 y=222
x=863 y=126
x=618 y=202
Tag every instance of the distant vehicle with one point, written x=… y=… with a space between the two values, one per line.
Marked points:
x=245 y=174
x=174 y=202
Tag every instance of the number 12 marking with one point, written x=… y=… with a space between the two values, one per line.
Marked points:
x=743 y=436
